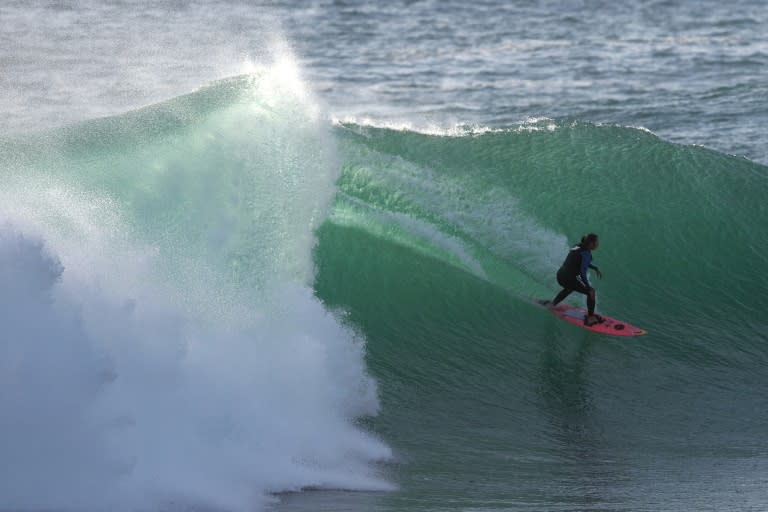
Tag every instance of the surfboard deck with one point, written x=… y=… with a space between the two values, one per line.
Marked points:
x=575 y=316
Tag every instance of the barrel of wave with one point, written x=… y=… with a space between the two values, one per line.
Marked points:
x=669 y=215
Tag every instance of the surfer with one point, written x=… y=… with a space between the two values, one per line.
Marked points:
x=573 y=276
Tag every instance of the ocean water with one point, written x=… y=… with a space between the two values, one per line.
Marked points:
x=280 y=255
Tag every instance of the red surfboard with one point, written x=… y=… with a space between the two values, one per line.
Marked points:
x=609 y=325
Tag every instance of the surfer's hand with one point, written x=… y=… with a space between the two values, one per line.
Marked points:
x=599 y=274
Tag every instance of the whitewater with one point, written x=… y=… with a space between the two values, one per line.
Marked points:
x=161 y=341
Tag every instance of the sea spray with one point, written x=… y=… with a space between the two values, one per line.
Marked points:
x=160 y=342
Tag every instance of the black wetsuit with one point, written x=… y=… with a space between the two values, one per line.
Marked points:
x=573 y=275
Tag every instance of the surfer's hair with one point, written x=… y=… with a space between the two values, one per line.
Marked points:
x=588 y=239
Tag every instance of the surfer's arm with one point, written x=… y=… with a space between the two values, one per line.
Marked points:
x=597 y=270
x=586 y=263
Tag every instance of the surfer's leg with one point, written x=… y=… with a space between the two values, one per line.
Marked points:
x=561 y=296
x=591 y=302
x=591 y=318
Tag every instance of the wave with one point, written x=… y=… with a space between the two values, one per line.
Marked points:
x=191 y=291
x=435 y=245
x=679 y=224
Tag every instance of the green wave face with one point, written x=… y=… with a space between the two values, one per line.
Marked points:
x=434 y=246
x=679 y=225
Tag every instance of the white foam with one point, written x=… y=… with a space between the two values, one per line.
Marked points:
x=438 y=130
x=113 y=392
x=529 y=124
x=135 y=372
